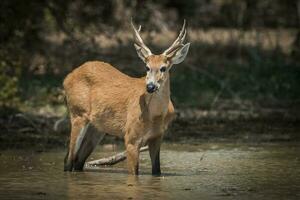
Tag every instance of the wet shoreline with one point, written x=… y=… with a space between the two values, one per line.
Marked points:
x=23 y=130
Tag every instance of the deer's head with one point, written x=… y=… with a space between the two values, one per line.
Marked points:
x=158 y=66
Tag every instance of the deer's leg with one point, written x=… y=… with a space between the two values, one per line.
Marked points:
x=133 y=151
x=154 y=151
x=79 y=127
x=91 y=139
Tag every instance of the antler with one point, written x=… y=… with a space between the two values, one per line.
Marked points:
x=178 y=43
x=139 y=44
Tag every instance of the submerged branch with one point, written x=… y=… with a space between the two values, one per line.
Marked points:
x=112 y=159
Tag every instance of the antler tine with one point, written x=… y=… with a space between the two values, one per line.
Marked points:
x=138 y=39
x=182 y=31
x=179 y=40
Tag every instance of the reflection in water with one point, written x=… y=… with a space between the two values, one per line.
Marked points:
x=218 y=171
x=114 y=186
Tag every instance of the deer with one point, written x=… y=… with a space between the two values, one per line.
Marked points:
x=102 y=100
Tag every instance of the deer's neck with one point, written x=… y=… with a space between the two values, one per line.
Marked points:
x=157 y=103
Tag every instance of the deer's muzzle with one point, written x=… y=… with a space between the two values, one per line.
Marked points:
x=151 y=87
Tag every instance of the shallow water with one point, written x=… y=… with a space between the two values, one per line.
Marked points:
x=202 y=171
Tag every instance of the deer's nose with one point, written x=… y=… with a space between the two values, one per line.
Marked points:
x=151 y=87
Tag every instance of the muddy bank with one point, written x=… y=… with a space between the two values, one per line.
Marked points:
x=23 y=130
x=263 y=125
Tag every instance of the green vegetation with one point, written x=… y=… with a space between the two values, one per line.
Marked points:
x=263 y=79
x=9 y=83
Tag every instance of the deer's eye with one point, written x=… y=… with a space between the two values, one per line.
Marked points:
x=163 y=69
x=147 y=69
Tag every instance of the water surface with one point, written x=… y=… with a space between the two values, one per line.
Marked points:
x=200 y=171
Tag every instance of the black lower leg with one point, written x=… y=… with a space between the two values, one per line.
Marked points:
x=156 y=165
x=78 y=165
x=83 y=153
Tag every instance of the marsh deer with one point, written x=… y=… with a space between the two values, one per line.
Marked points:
x=101 y=99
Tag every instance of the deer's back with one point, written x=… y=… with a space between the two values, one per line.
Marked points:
x=101 y=93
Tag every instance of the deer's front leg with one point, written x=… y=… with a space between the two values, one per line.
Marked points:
x=132 y=150
x=154 y=151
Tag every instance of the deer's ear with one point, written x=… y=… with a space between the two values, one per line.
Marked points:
x=142 y=53
x=179 y=55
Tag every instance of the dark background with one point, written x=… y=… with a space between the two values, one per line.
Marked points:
x=243 y=68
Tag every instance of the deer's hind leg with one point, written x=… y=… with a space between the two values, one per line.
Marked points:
x=83 y=140
x=90 y=140
x=78 y=130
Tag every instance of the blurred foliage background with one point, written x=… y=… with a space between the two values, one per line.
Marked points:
x=245 y=54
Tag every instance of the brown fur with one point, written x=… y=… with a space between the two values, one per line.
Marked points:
x=156 y=61
x=101 y=96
